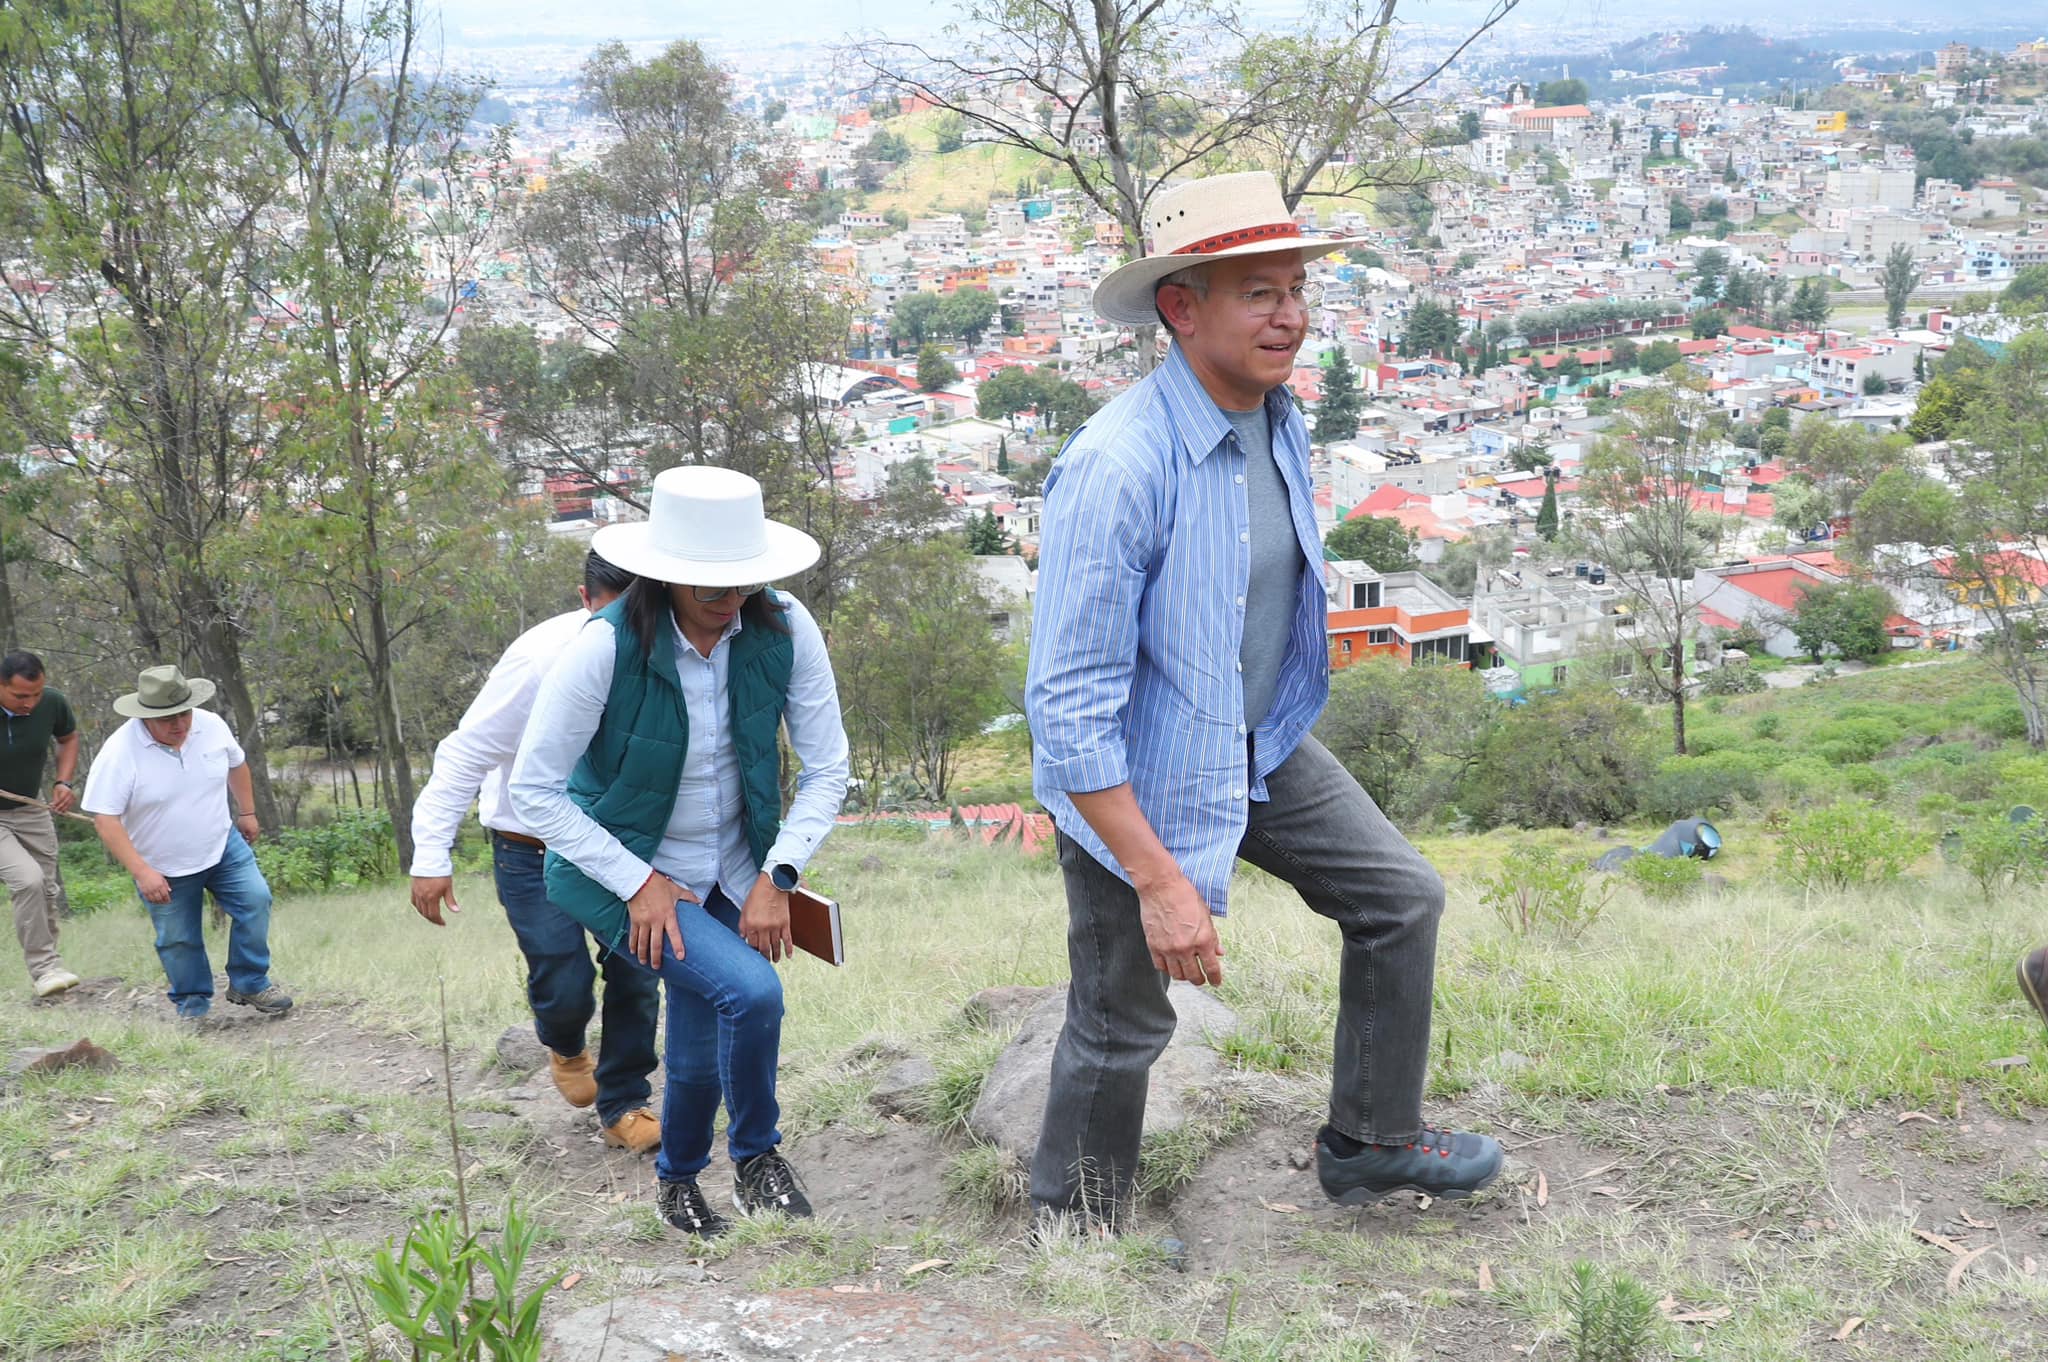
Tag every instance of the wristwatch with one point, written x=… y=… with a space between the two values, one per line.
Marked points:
x=783 y=876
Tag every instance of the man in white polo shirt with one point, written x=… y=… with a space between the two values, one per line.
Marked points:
x=473 y=764
x=171 y=797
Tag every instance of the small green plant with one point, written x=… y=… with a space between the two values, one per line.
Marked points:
x=1613 y=1317
x=1536 y=890
x=1847 y=844
x=1664 y=877
x=1998 y=852
x=355 y=848
x=427 y=1291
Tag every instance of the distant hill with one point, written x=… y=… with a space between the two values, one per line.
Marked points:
x=1725 y=58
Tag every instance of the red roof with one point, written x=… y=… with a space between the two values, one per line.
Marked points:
x=1782 y=587
x=1698 y=347
x=1714 y=619
x=1384 y=498
x=2024 y=566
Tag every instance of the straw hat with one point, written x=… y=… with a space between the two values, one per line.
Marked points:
x=161 y=692
x=1217 y=218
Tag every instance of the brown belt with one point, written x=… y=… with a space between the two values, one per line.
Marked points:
x=520 y=838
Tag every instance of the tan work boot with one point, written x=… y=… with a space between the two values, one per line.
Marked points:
x=636 y=1130
x=58 y=980
x=575 y=1077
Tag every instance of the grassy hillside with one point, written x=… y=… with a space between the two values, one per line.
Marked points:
x=1710 y=1095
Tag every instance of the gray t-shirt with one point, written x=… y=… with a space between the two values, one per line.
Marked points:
x=1269 y=601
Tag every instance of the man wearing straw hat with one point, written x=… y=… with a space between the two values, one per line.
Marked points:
x=171 y=796
x=1178 y=662
x=39 y=721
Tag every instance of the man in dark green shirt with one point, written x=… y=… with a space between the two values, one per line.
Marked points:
x=37 y=720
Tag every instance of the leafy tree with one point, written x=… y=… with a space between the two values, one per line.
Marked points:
x=946 y=134
x=1849 y=618
x=967 y=313
x=1410 y=735
x=934 y=370
x=1875 y=384
x=1642 y=479
x=1898 y=280
x=1546 y=515
x=1342 y=402
x=887 y=146
x=1774 y=441
x=1627 y=354
x=2027 y=293
x=1811 y=304
x=985 y=534
x=1382 y=545
x=1003 y=454
x=1944 y=401
x=1842 y=458
x=918 y=668
x=1570 y=90
x=1716 y=210
x=1531 y=454
x=1902 y=506
x=774 y=112
x=1103 y=96
x=1432 y=330
x=1777 y=418
x=1659 y=356
x=1008 y=391
x=1681 y=215
x=1707 y=272
x=1468 y=126
x=1582 y=755
x=1709 y=324
x=1570 y=368
x=1798 y=505
x=917 y=319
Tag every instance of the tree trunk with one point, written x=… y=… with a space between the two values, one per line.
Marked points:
x=390 y=734
x=7 y=627
x=1678 y=697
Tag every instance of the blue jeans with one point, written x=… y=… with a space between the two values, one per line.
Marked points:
x=238 y=887
x=561 y=984
x=724 y=1038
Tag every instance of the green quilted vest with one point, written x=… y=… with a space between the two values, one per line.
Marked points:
x=628 y=776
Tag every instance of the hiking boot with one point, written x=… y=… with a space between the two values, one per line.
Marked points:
x=575 y=1077
x=2034 y=979
x=273 y=1000
x=1438 y=1163
x=683 y=1206
x=58 y=980
x=636 y=1131
x=766 y=1182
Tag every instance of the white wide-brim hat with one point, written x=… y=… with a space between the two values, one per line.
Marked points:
x=1211 y=219
x=705 y=527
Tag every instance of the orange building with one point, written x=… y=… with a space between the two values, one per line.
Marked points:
x=1398 y=614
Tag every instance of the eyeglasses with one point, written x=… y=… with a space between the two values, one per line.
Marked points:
x=712 y=594
x=1264 y=302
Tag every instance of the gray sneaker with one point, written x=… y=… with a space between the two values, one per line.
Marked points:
x=272 y=1000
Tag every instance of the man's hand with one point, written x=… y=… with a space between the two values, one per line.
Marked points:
x=1180 y=930
x=251 y=830
x=652 y=911
x=153 y=887
x=428 y=894
x=61 y=798
x=764 y=920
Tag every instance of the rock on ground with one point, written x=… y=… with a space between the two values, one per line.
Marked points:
x=902 y=1088
x=1012 y=1100
x=520 y=1051
x=80 y=1053
x=826 y=1326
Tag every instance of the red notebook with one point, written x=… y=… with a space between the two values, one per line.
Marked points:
x=814 y=925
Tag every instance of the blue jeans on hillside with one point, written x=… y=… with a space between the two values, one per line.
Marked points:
x=724 y=1038
x=561 y=984
x=239 y=888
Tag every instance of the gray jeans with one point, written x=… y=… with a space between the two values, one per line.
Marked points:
x=1323 y=835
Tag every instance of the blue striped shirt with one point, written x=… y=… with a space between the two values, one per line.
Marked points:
x=1143 y=565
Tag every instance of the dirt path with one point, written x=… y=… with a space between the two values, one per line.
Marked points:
x=301 y=1145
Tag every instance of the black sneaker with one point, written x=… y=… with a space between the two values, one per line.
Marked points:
x=766 y=1182
x=272 y=999
x=683 y=1206
x=1439 y=1163
x=2034 y=979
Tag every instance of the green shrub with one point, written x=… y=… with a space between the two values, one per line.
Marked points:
x=1537 y=891
x=1846 y=844
x=1732 y=681
x=429 y=1291
x=1844 y=741
x=1664 y=877
x=97 y=893
x=1582 y=755
x=1694 y=787
x=1998 y=852
x=1803 y=781
x=1869 y=782
x=355 y=848
x=1767 y=726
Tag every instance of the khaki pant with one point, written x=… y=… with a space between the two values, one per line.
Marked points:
x=28 y=867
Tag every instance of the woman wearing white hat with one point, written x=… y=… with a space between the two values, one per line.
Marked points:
x=650 y=769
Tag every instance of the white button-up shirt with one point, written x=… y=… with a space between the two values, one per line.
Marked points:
x=705 y=843
x=172 y=801
x=475 y=761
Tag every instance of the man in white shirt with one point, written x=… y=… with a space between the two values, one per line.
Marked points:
x=474 y=763
x=159 y=793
